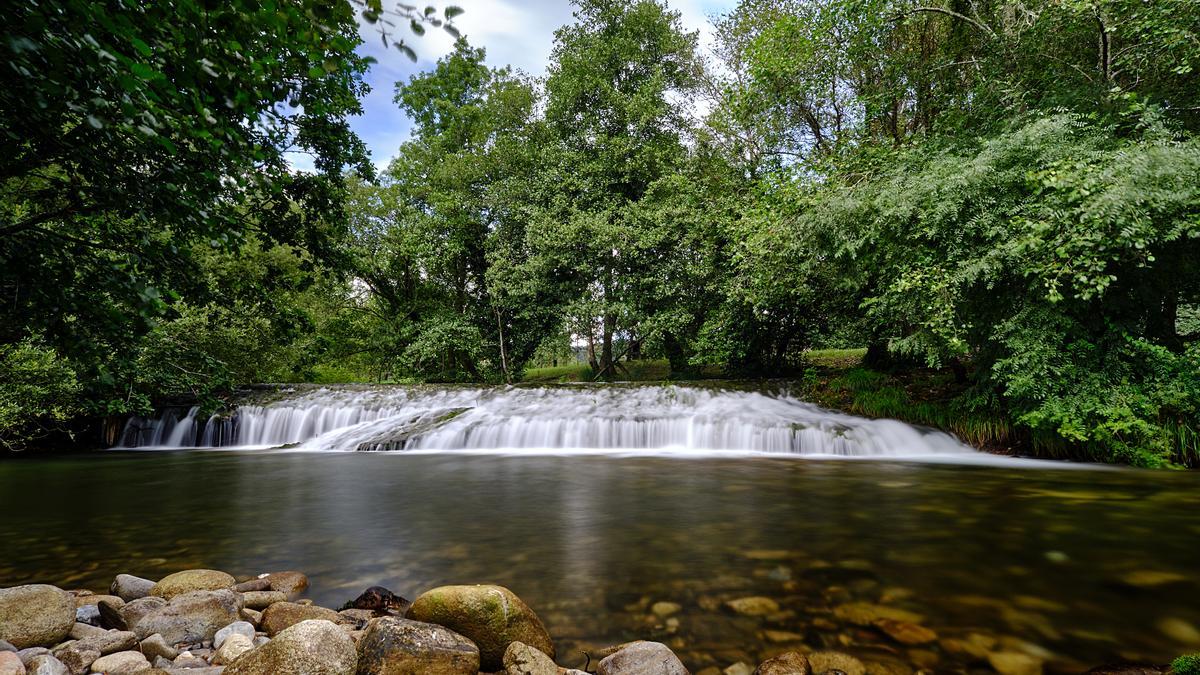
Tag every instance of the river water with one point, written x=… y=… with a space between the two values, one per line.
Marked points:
x=1077 y=566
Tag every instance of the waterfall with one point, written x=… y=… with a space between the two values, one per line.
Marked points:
x=561 y=418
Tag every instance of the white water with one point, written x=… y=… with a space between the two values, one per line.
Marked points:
x=652 y=418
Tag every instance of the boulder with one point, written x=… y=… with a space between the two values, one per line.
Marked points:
x=291 y=583
x=788 y=663
x=37 y=615
x=283 y=615
x=263 y=599
x=128 y=587
x=825 y=662
x=120 y=663
x=521 y=659
x=314 y=647
x=189 y=581
x=395 y=646
x=133 y=612
x=46 y=664
x=191 y=617
x=232 y=647
x=10 y=664
x=242 y=628
x=490 y=616
x=155 y=646
x=642 y=658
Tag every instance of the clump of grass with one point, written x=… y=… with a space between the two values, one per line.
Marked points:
x=575 y=372
x=1188 y=664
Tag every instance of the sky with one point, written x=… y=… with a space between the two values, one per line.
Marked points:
x=519 y=33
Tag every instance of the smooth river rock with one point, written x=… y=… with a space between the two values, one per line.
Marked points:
x=191 y=617
x=395 y=646
x=36 y=615
x=136 y=610
x=314 y=647
x=258 y=600
x=490 y=616
x=120 y=663
x=155 y=646
x=189 y=581
x=291 y=583
x=642 y=658
x=789 y=663
x=521 y=659
x=10 y=664
x=828 y=662
x=46 y=664
x=244 y=628
x=283 y=615
x=128 y=587
x=232 y=647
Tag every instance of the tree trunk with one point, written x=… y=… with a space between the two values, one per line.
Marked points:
x=591 y=352
x=606 y=347
x=877 y=354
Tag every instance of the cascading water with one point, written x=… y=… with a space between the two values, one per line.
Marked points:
x=660 y=418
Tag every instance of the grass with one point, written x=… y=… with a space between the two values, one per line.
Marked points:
x=644 y=370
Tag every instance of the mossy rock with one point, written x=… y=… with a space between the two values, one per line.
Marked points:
x=188 y=581
x=490 y=616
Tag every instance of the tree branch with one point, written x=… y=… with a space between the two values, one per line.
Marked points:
x=951 y=13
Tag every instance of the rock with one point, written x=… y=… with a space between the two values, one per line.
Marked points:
x=521 y=659
x=120 y=663
x=753 y=606
x=133 y=612
x=37 y=615
x=28 y=653
x=379 y=599
x=128 y=587
x=1178 y=630
x=824 y=662
x=664 y=609
x=263 y=599
x=788 y=663
x=243 y=628
x=155 y=646
x=189 y=581
x=89 y=614
x=905 y=632
x=6 y=646
x=191 y=617
x=252 y=616
x=111 y=615
x=395 y=646
x=739 y=668
x=260 y=584
x=188 y=660
x=110 y=641
x=231 y=648
x=45 y=664
x=291 y=583
x=1152 y=578
x=77 y=656
x=866 y=614
x=356 y=617
x=313 y=647
x=10 y=664
x=642 y=658
x=1015 y=663
x=282 y=615
x=490 y=616
x=86 y=600
x=83 y=630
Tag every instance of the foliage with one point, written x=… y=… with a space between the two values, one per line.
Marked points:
x=38 y=392
x=1188 y=664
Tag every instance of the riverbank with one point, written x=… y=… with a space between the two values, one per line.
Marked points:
x=207 y=622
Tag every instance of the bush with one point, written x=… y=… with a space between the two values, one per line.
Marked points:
x=39 y=392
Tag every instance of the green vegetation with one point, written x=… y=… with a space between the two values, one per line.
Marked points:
x=1000 y=199
x=1188 y=664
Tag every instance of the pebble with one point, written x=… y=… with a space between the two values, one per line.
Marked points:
x=242 y=628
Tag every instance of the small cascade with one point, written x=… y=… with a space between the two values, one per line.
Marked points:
x=558 y=418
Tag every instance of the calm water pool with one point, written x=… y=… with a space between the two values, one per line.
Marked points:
x=1081 y=567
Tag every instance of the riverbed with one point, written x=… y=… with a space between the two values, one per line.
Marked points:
x=1079 y=566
